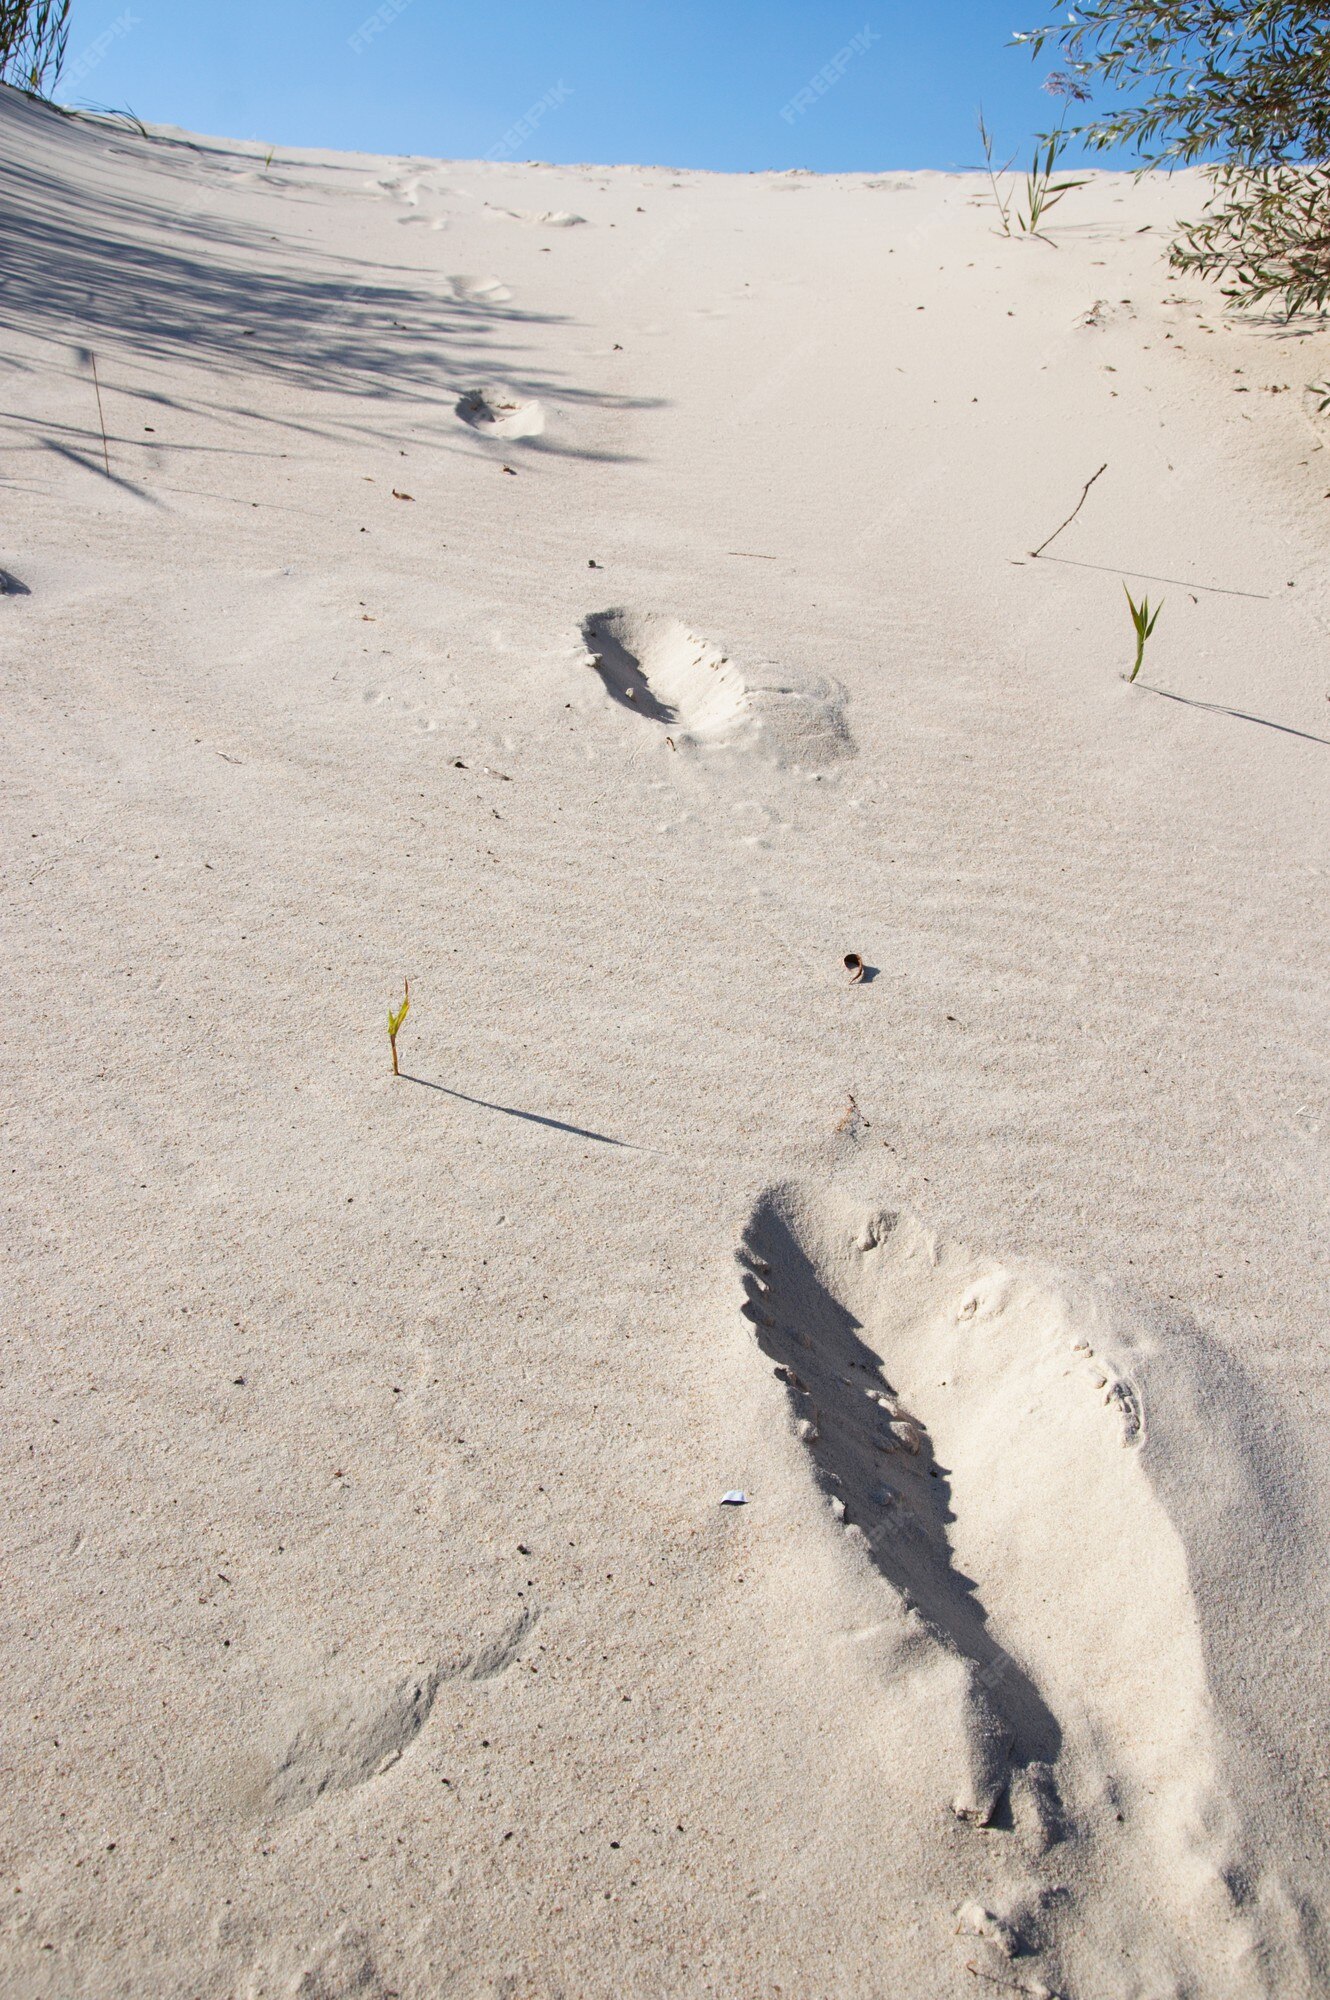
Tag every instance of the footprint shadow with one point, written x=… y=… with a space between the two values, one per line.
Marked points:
x=621 y=671
x=877 y=1462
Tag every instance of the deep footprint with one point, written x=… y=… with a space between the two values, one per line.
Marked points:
x=660 y=669
x=983 y=1452
x=875 y=1461
x=499 y=413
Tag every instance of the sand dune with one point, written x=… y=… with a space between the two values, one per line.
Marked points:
x=615 y=628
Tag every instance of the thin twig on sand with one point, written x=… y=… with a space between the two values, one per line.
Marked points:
x=1074 y=512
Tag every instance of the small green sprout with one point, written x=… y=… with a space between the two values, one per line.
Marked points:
x=1143 y=623
x=395 y=1021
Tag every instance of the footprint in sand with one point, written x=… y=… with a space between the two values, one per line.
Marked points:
x=338 y=1748
x=700 y=698
x=990 y=1463
x=500 y=413
x=410 y=711
x=342 y=1969
x=406 y=187
x=550 y=218
x=470 y=291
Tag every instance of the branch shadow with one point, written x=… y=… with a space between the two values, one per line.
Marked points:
x=90 y=464
x=1148 y=576
x=91 y=257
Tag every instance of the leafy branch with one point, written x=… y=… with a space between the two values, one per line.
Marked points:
x=1239 y=86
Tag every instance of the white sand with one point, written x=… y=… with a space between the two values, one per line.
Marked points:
x=371 y=1623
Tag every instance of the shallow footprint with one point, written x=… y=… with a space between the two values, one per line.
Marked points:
x=551 y=218
x=499 y=413
x=472 y=291
x=339 y=1747
x=344 y=1969
x=662 y=670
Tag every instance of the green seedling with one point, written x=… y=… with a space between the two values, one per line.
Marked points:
x=1143 y=624
x=395 y=1021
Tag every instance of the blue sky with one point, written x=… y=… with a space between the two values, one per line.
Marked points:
x=692 y=83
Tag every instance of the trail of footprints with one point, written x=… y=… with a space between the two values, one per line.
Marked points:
x=969 y=1437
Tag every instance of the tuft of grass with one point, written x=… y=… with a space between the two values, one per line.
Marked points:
x=33 y=38
x=1043 y=190
x=1001 y=198
x=395 y=1021
x=1143 y=624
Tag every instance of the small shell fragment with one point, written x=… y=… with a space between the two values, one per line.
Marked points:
x=736 y=1497
x=854 y=965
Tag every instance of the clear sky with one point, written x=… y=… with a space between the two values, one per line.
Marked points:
x=729 y=84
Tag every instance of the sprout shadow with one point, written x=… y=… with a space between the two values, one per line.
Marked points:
x=1237 y=714
x=528 y=1117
